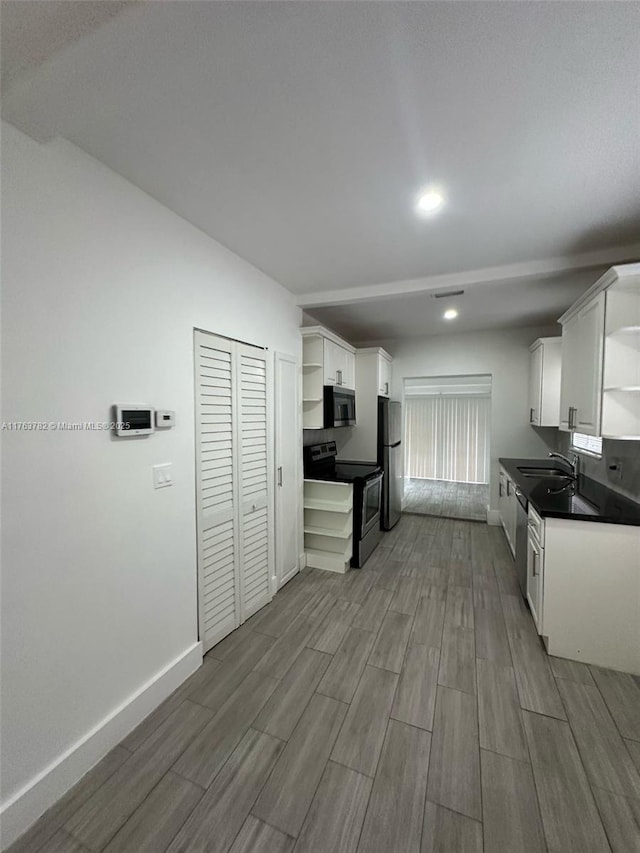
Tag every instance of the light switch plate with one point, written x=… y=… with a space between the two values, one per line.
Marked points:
x=162 y=476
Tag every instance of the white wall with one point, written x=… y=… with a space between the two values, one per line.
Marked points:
x=102 y=289
x=504 y=355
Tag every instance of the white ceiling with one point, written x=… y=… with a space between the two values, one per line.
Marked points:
x=33 y=31
x=298 y=133
x=507 y=304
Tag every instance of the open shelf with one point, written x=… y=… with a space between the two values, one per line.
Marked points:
x=334 y=533
x=623 y=388
x=312 y=364
x=317 y=559
x=328 y=506
x=328 y=525
x=312 y=399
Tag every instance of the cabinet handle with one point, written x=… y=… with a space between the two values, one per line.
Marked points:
x=573 y=412
x=508 y=489
x=531 y=411
x=386 y=388
x=500 y=490
x=535 y=563
x=280 y=475
x=339 y=377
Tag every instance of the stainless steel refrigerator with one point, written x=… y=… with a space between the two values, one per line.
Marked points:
x=390 y=460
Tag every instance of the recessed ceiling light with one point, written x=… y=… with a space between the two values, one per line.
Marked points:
x=429 y=201
x=450 y=314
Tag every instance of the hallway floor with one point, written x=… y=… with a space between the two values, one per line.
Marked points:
x=408 y=707
x=446 y=499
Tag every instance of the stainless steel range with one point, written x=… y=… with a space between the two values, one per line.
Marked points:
x=321 y=463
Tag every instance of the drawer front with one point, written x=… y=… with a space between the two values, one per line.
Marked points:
x=536 y=525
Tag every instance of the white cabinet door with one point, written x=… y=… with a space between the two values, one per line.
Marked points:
x=384 y=377
x=254 y=486
x=287 y=462
x=507 y=508
x=216 y=483
x=331 y=362
x=512 y=511
x=535 y=385
x=581 y=383
x=348 y=376
x=535 y=579
x=569 y=378
x=589 y=378
x=502 y=499
x=345 y=368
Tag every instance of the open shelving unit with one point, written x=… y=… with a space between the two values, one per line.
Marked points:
x=621 y=379
x=328 y=525
x=312 y=382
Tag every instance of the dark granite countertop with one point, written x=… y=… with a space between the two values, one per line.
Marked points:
x=550 y=499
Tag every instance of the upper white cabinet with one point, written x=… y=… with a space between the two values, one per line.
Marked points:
x=600 y=386
x=621 y=369
x=373 y=380
x=339 y=364
x=581 y=391
x=326 y=360
x=384 y=373
x=544 y=382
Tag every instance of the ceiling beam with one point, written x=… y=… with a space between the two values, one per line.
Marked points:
x=470 y=278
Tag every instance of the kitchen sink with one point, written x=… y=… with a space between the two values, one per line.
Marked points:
x=579 y=504
x=545 y=472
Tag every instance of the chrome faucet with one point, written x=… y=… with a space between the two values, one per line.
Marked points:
x=573 y=464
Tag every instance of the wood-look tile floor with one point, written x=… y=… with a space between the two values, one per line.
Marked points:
x=446 y=499
x=407 y=707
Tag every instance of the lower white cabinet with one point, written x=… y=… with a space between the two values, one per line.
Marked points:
x=535 y=569
x=583 y=588
x=507 y=508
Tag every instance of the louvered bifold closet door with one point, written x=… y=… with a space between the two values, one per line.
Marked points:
x=255 y=510
x=216 y=476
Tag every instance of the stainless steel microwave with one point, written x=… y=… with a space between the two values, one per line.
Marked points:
x=339 y=406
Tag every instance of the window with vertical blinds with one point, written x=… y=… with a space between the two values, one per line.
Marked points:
x=447 y=437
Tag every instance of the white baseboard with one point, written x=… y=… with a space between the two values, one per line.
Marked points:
x=21 y=810
x=493 y=517
x=303 y=560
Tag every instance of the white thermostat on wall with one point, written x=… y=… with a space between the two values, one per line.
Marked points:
x=165 y=418
x=133 y=419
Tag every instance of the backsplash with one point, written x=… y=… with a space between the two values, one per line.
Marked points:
x=317 y=436
x=625 y=453
x=320 y=436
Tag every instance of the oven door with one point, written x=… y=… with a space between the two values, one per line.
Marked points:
x=371 y=500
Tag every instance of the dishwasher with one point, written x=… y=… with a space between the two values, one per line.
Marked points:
x=521 y=541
